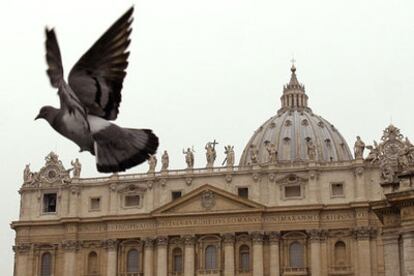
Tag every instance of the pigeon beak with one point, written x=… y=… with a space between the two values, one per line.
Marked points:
x=37 y=117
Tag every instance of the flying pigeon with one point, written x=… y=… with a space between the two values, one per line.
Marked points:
x=91 y=97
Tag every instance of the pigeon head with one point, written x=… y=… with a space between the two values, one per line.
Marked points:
x=48 y=113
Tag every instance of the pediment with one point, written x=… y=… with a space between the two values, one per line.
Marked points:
x=207 y=199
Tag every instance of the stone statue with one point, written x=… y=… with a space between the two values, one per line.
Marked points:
x=165 y=161
x=359 y=147
x=27 y=174
x=152 y=162
x=272 y=151
x=229 y=151
x=253 y=154
x=374 y=153
x=189 y=158
x=311 y=149
x=210 y=153
x=77 y=167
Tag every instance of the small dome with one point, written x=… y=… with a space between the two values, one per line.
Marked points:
x=295 y=133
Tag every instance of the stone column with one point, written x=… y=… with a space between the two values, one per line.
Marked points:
x=228 y=240
x=324 y=253
x=315 y=246
x=408 y=252
x=69 y=248
x=111 y=257
x=22 y=252
x=362 y=235
x=189 y=256
x=257 y=239
x=148 y=257
x=274 y=238
x=162 y=267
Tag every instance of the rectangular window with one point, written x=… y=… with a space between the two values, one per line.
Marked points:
x=132 y=200
x=292 y=191
x=95 y=203
x=337 y=190
x=175 y=195
x=243 y=192
x=49 y=203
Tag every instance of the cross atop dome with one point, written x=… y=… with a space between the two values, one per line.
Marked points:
x=294 y=96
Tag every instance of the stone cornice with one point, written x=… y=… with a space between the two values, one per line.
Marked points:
x=22 y=248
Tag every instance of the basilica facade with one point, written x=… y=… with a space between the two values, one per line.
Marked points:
x=299 y=202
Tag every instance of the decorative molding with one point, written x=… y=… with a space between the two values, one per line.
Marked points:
x=364 y=232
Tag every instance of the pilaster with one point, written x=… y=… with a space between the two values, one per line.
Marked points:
x=257 y=240
x=274 y=239
x=111 y=247
x=189 y=261
x=162 y=243
x=315 y=245
x=148 y=257
x=228 y=240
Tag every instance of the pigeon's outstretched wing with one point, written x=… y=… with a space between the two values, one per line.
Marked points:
x=69 y=102
x=98 y=75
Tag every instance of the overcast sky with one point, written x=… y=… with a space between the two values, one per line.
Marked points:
x=204 y=70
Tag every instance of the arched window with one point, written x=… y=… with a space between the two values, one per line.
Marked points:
x=244 y=258
x=132 y=261
x=340 y=253
x=211 y=257
x=177 y=255
x=93 y=263
x=296 y=255
x=46 y=264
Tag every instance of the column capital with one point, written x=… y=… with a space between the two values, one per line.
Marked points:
x=274 y=237
x=228 y=238
x=22 y=248
x=314 y=235
x=110 y=244
x=149 y=242
x=70 y=245
x=364 y=232
x=162 y=241
x=189 y=239
x=257 y=237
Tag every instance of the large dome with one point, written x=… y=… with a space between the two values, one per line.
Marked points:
x=295 y=133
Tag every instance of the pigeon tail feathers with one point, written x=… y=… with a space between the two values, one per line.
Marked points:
x=118 y=149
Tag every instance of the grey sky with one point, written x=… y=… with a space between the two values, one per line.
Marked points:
x=203 y=70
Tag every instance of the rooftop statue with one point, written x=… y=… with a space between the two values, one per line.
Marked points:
x=229 y=152
x=77 y=167
x=189 y=158
x=152 y=162
x=359 y=147
x=165 y=161
x=27 y=174
x=211 y=153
